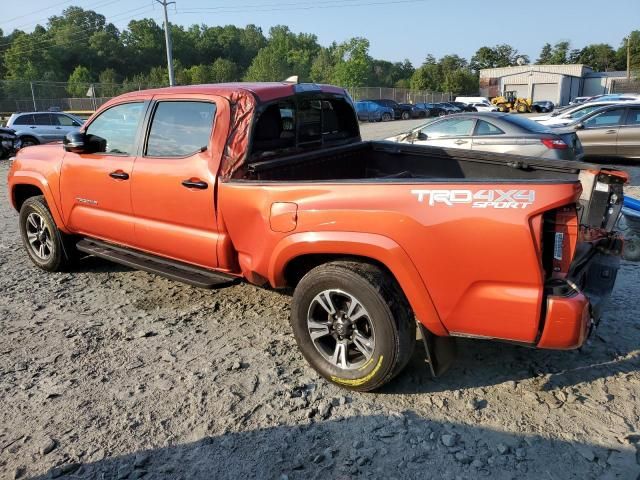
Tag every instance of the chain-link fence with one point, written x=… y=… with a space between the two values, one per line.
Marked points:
x=625 y=86
x=400 y=95
x=20 y=96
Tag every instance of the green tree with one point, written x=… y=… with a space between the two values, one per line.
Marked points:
x=223 y=70
x=599 y=56
x=353 y=68
x=108 y=80
x=499 y=56
x=428 y=76
x=634 y=48
x=545 y=55
x=79 y=81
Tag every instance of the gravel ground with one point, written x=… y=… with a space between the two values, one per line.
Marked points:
x=110 y=373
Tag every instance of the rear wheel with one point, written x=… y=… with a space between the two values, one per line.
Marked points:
x=386 y=117
x=405 y=115
x=353 y=324
x=47 y=247
x=631 y=250
x=442 y=113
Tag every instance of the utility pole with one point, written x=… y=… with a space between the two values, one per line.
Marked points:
x=628 y=57
x=167 y=38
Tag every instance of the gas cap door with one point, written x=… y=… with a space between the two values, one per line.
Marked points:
x=283 y=217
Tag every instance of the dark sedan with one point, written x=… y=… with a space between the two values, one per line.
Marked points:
x=428 y=110
x=400 y=110
x=495 y=132
x=463 y=106
x=542 y=106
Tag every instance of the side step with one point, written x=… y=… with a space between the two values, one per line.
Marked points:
x=182 y=272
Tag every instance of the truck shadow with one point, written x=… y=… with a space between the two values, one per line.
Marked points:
x=403 y=445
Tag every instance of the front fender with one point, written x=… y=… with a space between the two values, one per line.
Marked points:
x=36 y=179
x=377 y=247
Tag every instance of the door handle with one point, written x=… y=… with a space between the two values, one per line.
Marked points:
x=58 y=128
x=32 y=126
x=195 y=183
x=460 y=142
x=609 y=132
x=119 y=175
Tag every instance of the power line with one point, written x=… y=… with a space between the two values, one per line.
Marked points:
x=37 y=11
x=293 y=6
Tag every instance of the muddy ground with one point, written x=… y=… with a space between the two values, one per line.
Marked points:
x=110 y=373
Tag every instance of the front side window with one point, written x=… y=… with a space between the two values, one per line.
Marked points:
x=582 y=112
x=116 y=128
x=610 y=118
x=454 y=127
x=180 y=128
x=64 y=121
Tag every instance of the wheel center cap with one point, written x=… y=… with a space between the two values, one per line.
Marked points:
x=342 y=326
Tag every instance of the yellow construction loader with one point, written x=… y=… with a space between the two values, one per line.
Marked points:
x=508 y=102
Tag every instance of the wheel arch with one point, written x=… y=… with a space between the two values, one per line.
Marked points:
x=297 y=254
x=22 y=187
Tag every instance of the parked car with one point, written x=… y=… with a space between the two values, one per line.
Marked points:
x=9 y=142
x=448 y=108
x=495 y=132
x=474 y=100
x=217 y=195
x=401 y=111
x=464 y=106
x=542 y=106
x=616 y=97
x=578 y=100
x=570 y=115
x=33 y=128
x=369 y=111
x=428 y=110
x=483 y=107
x=612 y=131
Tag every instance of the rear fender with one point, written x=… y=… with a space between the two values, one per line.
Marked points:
x=36 y=179
x=373 y=246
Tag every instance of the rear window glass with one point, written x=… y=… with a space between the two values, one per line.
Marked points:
x=42 y=119
x=526 y=124
x=634 y=116
x=486 y=128
x=304 y=122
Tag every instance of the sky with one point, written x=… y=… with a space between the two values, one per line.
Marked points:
x=396 y=29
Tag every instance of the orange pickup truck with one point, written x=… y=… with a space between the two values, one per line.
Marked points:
x=271 y=183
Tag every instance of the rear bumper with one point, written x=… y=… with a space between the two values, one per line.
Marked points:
x=574 y=304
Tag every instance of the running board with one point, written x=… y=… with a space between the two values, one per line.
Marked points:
x=182 y=272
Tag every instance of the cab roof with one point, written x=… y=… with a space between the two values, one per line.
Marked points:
x=263 y=91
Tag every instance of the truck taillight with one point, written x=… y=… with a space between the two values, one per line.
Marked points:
x=560 y=236
x=554 y=143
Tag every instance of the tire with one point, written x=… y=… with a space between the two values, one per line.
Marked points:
x=442 y=113
x=50 y=250
x=28 y=141
x=631 y=251
x=384 y=324
x=405 y=115
x=386 y=117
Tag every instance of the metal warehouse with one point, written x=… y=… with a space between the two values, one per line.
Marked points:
x=557 y=83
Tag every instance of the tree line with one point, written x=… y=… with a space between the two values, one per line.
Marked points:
x=80 y=47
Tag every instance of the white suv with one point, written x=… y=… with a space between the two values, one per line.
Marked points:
x=33 y=128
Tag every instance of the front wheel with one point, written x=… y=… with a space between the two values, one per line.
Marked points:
x=353 y=324
x=405 y=116
x=386 y=117
x=47 y=247
x=28 y=141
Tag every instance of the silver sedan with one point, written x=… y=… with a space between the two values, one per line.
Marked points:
x=495 y=132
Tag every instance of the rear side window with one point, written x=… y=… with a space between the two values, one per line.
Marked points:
x=116 y=128
x=24 y=120
x=179 y=129
x=42 y=119
x=486 y=128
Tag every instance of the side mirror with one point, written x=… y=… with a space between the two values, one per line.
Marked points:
x=80 y=142
x=579 y=126
x=422 y=136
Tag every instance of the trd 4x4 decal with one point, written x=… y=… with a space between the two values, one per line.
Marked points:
x=480 y=199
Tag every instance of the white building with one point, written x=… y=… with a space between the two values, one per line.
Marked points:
x=557 y=83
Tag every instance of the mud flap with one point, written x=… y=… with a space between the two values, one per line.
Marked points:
x=440 y=351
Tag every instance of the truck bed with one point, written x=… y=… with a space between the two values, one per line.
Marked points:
x=388 y=161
